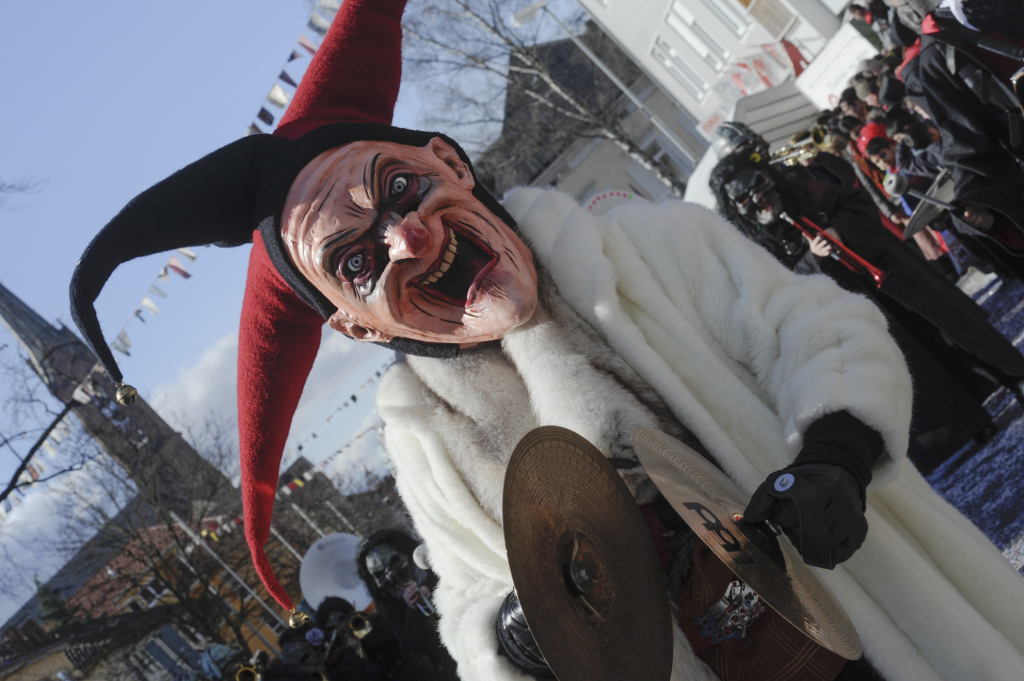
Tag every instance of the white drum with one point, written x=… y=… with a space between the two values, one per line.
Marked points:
x=329 y=569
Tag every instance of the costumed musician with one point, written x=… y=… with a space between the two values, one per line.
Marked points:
x=531 y=311
x=956 y=357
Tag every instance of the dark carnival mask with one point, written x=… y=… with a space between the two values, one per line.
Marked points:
x=755 y=196
x=388 y=565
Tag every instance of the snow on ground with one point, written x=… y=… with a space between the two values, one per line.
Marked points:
x=987 y=484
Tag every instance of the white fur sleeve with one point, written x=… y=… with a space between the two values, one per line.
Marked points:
x=747 y=353
x=812 y=347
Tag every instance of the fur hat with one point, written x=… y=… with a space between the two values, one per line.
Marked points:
x=235 y=196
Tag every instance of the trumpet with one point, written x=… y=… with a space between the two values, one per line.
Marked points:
x=359 y=624
x=247 y=674
x=843 y=254
x=803 y=146
x=423 y=602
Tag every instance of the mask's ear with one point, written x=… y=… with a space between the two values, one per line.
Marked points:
x=343 y=322
x=446 y=153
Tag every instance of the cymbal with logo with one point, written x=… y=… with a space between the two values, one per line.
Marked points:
x=712 y=506
x=583 y=562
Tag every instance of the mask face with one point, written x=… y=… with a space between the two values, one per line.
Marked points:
x=394 y=237
x=755 y=196
x=388 y=566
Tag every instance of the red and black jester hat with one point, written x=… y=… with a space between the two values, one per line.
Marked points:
x=235 y=195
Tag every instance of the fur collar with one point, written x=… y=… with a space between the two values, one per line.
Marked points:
x=554 y=370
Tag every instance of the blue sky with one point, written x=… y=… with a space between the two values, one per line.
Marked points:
x=103 y=99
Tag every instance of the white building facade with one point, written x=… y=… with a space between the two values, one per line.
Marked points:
x=709 y=54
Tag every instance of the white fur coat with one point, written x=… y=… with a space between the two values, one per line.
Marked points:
x=745 y=354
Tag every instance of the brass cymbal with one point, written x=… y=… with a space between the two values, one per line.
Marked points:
x=710 y=504
x=583 y=562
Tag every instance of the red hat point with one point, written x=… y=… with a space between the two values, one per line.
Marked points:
x=353 y=78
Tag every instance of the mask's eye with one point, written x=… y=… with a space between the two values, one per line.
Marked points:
x=354 y=264
x=399 y=184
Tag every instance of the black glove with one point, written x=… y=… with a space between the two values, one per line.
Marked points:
x=819 y=500
x=515 y=640
x=818 y=506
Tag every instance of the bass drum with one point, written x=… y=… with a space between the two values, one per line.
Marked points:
x=329 y=569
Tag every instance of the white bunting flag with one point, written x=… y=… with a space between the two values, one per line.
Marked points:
x=116 y=345
x=188 y=253
x=150 y=305
x=278 y=97
x=318 y=24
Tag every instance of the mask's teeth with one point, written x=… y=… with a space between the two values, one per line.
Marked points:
x=446 y=260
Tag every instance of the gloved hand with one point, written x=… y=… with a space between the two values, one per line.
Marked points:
x=515 y=640
x=819 y=500
x=818 y=506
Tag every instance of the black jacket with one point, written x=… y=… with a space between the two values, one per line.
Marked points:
x=821 y=194
x=982 y=125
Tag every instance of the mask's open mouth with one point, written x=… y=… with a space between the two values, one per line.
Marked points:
x=458 y=271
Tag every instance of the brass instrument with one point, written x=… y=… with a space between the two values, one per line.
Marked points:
x=843 y=254
x=358 y=624
x=355 y=623
x=803 y=145
x=254 y=670
x=423 y=602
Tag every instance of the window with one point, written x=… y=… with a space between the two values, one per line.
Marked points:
x=774 y=16
x=273 y=623
x=143 y=661
x=151 y=592
x=685 y=24
x=730 y=17
x=680 y=168
x=675 y=64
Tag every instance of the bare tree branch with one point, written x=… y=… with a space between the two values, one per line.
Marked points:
x=23 y=186
x=23 y=466
x=529 y=83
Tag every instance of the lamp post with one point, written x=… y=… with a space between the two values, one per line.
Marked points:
x=529 y=13
x=196 y=539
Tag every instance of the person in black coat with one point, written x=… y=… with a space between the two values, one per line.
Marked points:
x=965 y=90
x=376 y=655
x=402 y=592
x=956 y=356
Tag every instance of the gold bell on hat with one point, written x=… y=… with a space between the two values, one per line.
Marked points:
x=297 y=619
x=126 y=394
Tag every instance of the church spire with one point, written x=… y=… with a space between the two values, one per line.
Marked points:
x=57 y=355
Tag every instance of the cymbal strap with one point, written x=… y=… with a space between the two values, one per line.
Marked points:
x=815 y=545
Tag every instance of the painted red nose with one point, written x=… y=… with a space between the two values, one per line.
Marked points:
x=410 y=238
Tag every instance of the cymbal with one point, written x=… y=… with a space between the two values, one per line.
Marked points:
x=711 y=504
x=583 y=562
